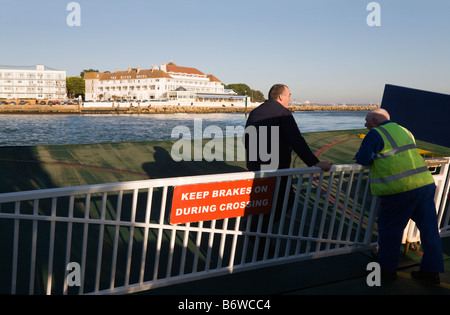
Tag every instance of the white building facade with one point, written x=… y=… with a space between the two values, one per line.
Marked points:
x=38 y=83
x=166 y=82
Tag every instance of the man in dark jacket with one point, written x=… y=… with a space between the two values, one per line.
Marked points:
x=278 y=125
x=271 y=134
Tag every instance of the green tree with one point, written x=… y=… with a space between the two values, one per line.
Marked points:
x=75 y=86
x=242 y=89
x=258 y=96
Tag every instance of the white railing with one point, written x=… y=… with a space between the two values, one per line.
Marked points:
x=441 y=173
x=120 y=236
x=439 y=167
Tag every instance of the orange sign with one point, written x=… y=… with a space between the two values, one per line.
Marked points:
x=204 y=202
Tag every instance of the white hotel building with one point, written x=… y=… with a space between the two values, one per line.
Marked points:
x=38 y=83
x=164 y=83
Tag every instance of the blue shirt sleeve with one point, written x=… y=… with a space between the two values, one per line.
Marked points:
x=370 y=146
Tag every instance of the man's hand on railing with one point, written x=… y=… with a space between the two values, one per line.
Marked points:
x=324 y=165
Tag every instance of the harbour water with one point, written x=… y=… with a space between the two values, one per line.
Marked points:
x=25 y=130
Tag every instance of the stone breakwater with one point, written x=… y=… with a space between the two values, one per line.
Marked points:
x=165 y=109
x=297 y=108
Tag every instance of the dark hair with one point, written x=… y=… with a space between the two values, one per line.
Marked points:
x=276 y=91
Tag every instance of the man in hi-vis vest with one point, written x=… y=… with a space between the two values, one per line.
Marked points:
x=406 y=189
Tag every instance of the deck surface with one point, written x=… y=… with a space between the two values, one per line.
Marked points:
x=39 y=167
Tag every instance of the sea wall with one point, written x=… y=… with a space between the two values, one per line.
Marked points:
x=156 y=109
x=39 y=109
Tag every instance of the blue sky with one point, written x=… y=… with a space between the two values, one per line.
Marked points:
x=322 y=49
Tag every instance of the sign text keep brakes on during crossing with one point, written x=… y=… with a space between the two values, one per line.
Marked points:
x=210 y=201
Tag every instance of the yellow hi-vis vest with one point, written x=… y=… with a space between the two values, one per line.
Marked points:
x=398 y=167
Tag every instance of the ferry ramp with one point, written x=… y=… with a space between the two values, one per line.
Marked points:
x=336 y=275
x=116 y=215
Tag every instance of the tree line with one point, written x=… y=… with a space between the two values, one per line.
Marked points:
x=244 y=89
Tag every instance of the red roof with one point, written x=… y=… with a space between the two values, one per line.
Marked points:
x=171 y=67
x=148 y=73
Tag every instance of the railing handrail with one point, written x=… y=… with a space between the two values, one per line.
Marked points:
x=160 y=182
x=342 y=214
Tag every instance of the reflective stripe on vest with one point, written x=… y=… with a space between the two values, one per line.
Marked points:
x=395 y=148
x=394 y=169
x=399 y=176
